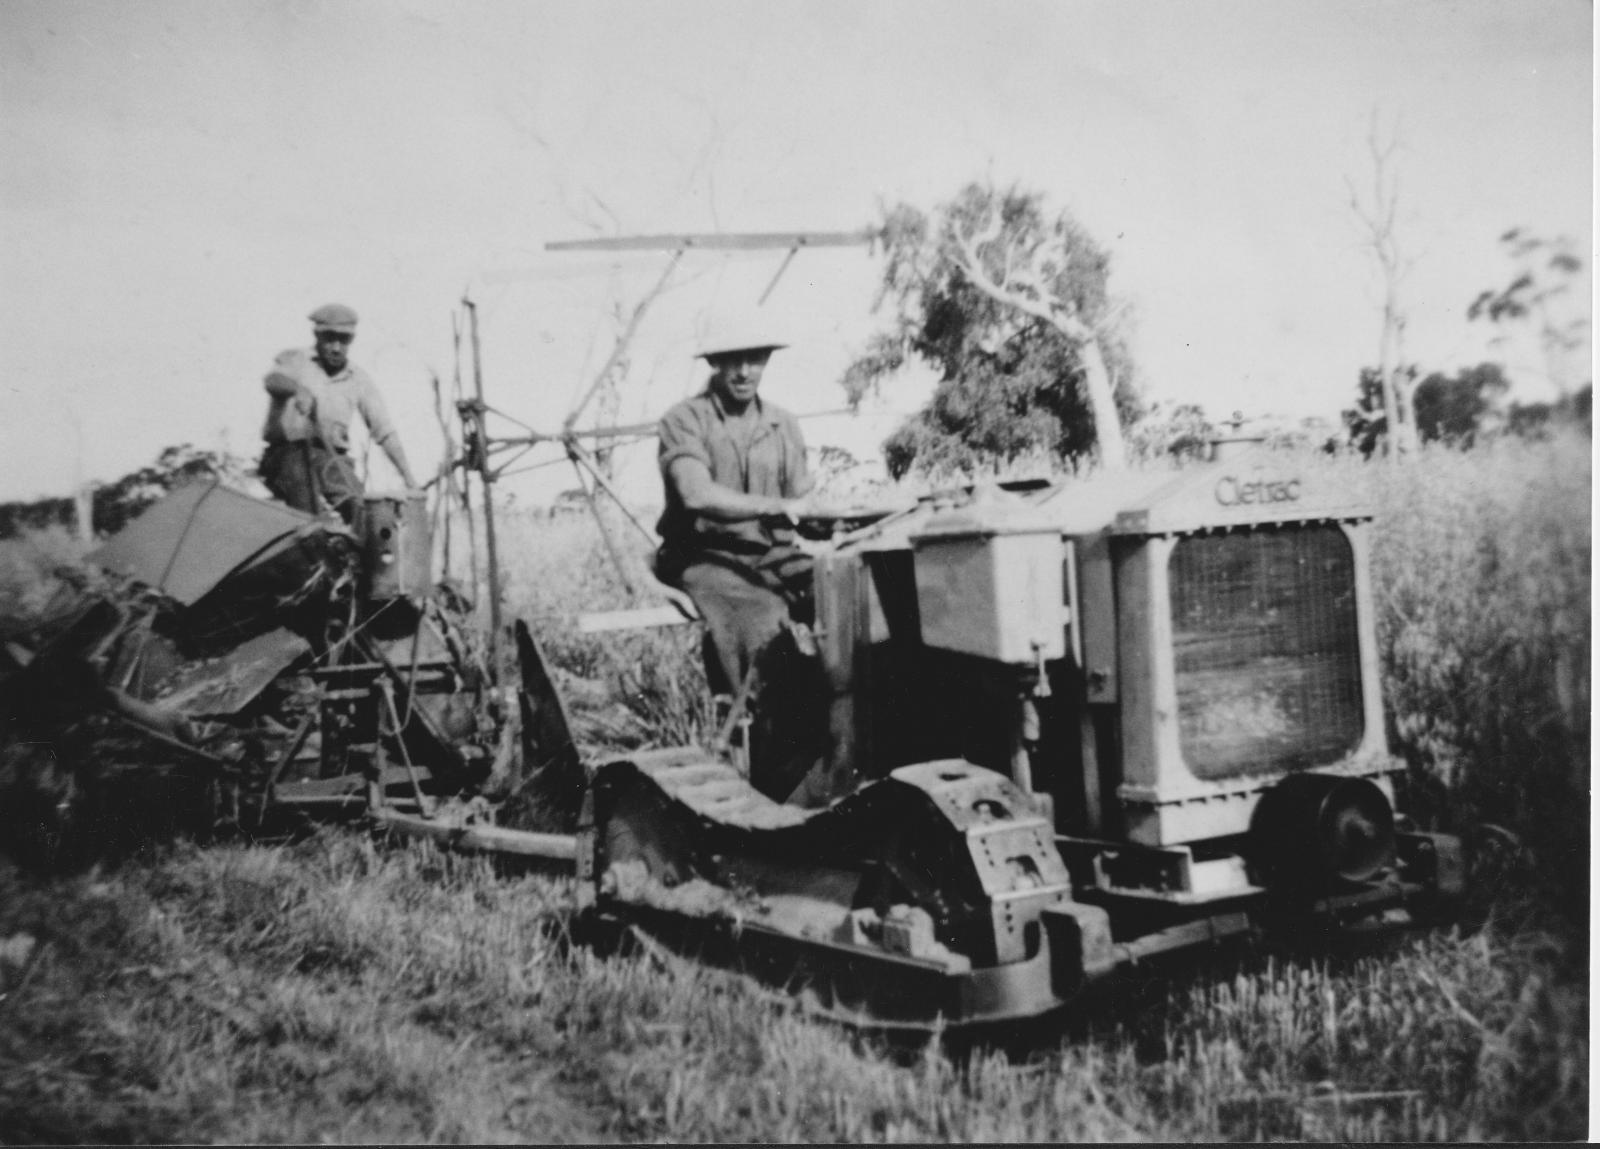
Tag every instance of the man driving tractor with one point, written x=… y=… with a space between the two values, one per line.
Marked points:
x=735 y=473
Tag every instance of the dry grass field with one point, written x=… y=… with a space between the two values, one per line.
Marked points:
x=340 y=989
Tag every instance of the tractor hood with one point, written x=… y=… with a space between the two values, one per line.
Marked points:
x=1255 y=487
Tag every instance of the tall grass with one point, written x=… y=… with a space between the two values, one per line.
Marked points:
x=336 y=991
x=626 y=689
x=1483 y=581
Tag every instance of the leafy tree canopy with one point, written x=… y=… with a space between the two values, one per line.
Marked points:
x=1462 y=409
x=1543 y=295
x=1547 y=270
x=1010 y=379
x=1456 y=409
x=1170 y=429
x=1537 y=420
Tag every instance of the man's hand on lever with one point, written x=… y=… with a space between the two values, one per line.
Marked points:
x=792 y=511
x=818 y=518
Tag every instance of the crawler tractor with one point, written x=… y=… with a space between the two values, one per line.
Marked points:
x=1069 y=726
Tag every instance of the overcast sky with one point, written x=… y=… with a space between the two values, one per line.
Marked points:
x=182 y=182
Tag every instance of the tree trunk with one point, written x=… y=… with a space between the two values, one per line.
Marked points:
x=1103 y=402
x=1402 y=429
x=83 y=513
x=1405 y=393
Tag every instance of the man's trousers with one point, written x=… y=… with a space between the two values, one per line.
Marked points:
x=745 y=628
x=300 y=472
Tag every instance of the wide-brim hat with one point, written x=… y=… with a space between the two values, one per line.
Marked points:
x=745 y=333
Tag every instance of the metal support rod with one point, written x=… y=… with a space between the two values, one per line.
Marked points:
x=486 y=839
x=738 y=714
x=374 y=653
x=386 y=688
x=466 y=486
x=721 y=241
x=377 y=768
x=282 y=764
x=486 y=473
x=1025 y=734
x=168 y=741
x=600 y=520
x=777 y=275
x=582 y=457
x=534 y=438
x=623 y=431
x=623 y=340
x=442 y=508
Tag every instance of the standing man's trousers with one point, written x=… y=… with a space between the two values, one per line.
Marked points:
x=299 y=472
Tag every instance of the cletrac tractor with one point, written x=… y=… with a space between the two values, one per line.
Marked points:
x=1071 y=725
x=1064 y=727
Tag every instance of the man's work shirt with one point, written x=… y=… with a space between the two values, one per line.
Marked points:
x=337 y=400
x=758 y=453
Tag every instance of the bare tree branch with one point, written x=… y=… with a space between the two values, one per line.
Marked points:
x=1379 y=225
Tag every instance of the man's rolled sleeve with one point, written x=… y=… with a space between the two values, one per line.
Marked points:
x=287 y=374
x=682 y=437
x=370 y=403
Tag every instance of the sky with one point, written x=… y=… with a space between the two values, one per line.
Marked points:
x=181 y=183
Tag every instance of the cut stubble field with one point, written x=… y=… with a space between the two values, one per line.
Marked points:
x=342 y=989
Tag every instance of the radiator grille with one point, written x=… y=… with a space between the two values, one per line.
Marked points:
x=1266 y=650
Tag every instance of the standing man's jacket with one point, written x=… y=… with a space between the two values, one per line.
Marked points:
x=325 y=419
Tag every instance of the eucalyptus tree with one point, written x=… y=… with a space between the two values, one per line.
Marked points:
x=1008 y=301
x=1547 y=292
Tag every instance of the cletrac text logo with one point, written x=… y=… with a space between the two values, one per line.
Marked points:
x=1231 y=491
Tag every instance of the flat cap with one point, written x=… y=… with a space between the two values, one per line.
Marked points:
x=333 y=317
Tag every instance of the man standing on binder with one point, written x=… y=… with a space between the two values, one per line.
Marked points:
x=314 y=396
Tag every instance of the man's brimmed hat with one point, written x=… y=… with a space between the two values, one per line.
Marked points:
x=746 y=333
x=334 y=317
